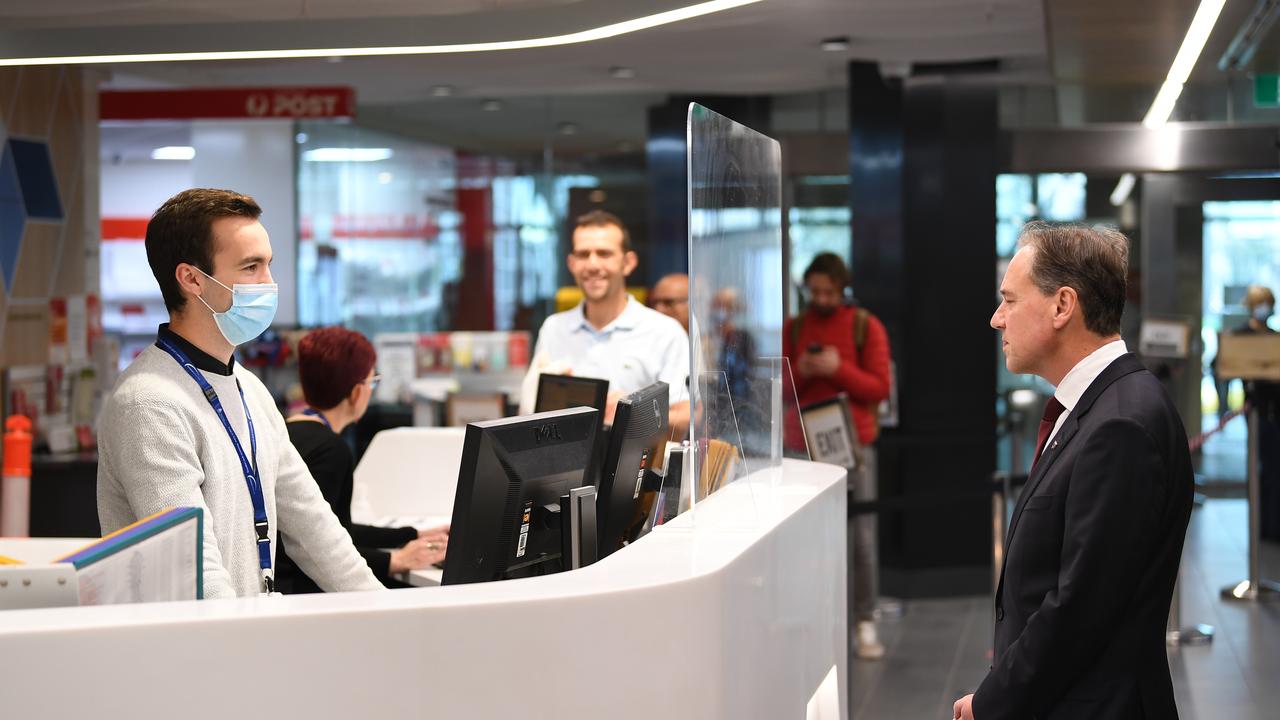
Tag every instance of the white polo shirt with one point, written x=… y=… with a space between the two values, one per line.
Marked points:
x=640 y=347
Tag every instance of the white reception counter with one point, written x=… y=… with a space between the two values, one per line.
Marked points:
x=735 y=612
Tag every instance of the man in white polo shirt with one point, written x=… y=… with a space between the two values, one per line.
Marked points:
x=610 y=335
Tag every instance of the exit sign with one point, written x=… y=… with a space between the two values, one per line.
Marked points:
x=1266 y=90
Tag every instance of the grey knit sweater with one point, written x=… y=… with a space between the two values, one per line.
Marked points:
x=161 y=445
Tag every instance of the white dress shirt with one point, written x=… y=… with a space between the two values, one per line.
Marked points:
x=1072 y=387
x=640 y=347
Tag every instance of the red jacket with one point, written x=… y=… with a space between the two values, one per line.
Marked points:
x=864 y=376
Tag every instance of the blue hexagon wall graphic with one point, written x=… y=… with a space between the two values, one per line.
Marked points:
x=35 y=177
x=28 y=189
x=13 y=216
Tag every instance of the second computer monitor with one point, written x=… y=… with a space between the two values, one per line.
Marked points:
x=640 y=431
x=558 y=392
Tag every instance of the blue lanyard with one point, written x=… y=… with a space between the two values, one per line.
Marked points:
x=251 y=476
x=312 y=412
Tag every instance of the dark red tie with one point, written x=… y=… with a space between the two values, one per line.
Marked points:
x=1052 y=410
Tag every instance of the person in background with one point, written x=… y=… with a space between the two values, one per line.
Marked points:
x=838 y=348
x=670 y=296
x=1265 y=398
x=610 y=335
x=188 y=426
x=336 y=370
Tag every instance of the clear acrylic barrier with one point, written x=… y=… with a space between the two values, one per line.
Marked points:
x=735 y=305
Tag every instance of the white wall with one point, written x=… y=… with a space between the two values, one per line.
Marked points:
x=256 y=157
x=136 y=188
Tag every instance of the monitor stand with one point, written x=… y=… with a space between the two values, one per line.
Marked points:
x=578 y=525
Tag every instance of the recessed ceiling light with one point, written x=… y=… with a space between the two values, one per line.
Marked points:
x=173 y=152
x=442 y=91
x=836 y=44
x=491 y=105
x=619 y=72
x=567 y=128
x=300 y=138
x=598 y=33
x=342 y=154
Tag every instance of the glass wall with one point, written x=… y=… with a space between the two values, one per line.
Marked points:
x=401 y=235
x=1241 y=248
x=818 y=221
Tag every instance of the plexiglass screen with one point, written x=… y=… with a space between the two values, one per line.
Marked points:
x=735 y=296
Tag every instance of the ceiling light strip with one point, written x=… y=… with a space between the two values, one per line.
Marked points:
x=600 y=33
x=1188 y=54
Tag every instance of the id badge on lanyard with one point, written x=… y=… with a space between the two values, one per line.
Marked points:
x=262 y=530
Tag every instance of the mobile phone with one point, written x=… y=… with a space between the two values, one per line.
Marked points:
x=815 y=347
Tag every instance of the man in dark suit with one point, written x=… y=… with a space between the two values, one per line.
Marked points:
x=1095 y=541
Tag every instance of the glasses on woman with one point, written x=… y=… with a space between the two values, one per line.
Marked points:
x=373 y=382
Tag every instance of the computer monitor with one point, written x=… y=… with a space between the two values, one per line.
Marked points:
x=640 y=430
x=506 y=510
x=557 y=392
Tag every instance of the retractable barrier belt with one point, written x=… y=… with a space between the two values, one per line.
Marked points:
x=262 y=530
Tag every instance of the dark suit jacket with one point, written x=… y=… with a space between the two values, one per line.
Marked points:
x=1090 y=562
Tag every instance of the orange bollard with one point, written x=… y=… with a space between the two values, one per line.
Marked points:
x=15 y=488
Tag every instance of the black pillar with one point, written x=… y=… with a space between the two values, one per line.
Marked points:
x=666 y=249
x=922 y=193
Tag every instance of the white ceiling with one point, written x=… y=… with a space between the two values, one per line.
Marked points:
x=768 y=48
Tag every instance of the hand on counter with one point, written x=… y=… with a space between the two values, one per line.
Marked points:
x=418 y=554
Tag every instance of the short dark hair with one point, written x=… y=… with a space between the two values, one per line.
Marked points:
x=1093 y=260
x=832 y=266
x=181 y=231
x=603 y=218
x=331 y=362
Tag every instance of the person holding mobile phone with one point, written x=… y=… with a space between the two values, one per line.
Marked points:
x=846 y=350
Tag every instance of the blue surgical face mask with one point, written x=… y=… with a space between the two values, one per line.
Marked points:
x=253 y=308
x=1262 y=312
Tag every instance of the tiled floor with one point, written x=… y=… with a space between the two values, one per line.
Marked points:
x=939 y=650
x=1222 y=459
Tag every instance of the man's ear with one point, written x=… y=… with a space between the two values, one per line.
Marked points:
x=629 y=262
x=1066 y=304
x=189 y=278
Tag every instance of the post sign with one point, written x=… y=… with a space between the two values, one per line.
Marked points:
x=228 y=103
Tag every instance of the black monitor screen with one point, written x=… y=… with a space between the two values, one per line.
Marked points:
x=639 y=432
x=505 y=511
x=557 y=392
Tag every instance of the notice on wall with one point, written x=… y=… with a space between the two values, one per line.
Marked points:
x=397 y=363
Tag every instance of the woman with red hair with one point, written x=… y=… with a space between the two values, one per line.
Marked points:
x=336 y=368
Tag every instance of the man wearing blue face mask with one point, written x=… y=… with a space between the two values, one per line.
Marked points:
x=186 y=426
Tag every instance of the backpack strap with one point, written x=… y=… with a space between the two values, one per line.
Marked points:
x=860 y=320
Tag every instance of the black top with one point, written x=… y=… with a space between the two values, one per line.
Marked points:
x=199 y=358
x=333 y=468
